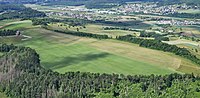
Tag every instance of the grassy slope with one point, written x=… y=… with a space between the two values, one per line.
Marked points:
x=1 y=54
x=62 y=53
x=2 y=95
x=71 y=53
x=4 y=22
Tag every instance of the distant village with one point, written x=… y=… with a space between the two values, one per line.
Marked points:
x=82 y=12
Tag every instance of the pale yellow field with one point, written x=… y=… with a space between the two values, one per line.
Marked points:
x=95 y=29
x=191 y=11
x=183 y=41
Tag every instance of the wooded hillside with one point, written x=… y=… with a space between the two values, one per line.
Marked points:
x=21 y=75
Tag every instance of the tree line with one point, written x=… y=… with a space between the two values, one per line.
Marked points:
x=11 y=7
x=81 y=34
x=7 y=32
x=19 y=11
x=120 y=28
x=159 y=45
x=44 y=21
x=21 y=76
x=157 y=36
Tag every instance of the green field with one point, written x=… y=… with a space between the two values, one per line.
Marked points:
x=18 y=25
x=1 y=54
x=5 y=22
x=63 y=53
x=43 y=8
x=3 y=95
x=93 y=28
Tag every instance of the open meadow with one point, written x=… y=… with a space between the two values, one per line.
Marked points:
x=63 y=53
x=93 y=28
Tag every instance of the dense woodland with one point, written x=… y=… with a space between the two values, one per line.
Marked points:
x=10 y=7
x=21 y=76
x=70 y=21
x=7 y=32
x=44 y=21
x=11 y=11
x=159 y=45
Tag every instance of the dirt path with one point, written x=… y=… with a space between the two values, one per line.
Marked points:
x=26 y=37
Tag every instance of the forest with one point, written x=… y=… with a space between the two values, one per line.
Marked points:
x=23 y=77
x=7 y=32
x=18 y=11
x=10 y=7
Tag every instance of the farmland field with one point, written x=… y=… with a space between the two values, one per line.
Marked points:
x=95 y=29
x=4 y=22
x=192 y=29
x=63 y=53
x=183 y=41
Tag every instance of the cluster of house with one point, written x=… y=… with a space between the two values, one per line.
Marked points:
x=82 y=12
x=152 y=8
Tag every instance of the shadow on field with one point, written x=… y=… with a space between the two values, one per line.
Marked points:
x=68 y=61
